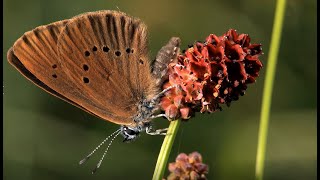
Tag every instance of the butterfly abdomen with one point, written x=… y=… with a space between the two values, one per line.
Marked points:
x=166 y=55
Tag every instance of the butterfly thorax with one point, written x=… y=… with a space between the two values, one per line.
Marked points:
x=146 y=108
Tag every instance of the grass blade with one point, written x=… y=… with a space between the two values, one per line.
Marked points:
x=268 y=86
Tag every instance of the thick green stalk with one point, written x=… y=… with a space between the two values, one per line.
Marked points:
x=165 y=150
x=268 y=86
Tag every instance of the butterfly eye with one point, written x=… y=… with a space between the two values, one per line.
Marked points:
x=131 y=132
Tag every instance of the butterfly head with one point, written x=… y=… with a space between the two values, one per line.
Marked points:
x=132 y=132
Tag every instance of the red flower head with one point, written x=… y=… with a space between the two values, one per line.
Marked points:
x=210 y=74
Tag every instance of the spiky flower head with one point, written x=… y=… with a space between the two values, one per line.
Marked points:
x=211 y=73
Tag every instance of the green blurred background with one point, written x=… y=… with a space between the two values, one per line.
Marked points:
x=44 y=137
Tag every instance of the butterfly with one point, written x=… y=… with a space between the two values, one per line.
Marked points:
x=99 y=62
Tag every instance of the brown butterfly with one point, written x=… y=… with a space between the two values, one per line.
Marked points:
x=98 y=61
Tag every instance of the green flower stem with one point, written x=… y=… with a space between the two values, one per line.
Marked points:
x=268 y=86
x=165 y=150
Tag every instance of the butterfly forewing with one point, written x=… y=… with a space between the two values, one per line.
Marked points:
x=105 y=53
x=96 y=61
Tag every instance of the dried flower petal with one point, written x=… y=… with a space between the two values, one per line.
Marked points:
x=172 y=111
x=194 y=175
x=182 y=157
x=201 y=168
x=195 y=157
x=185 y=112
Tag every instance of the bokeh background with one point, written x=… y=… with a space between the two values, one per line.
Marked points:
x=44 y=137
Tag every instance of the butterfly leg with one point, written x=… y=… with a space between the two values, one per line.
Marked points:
x=155 y=98
x=166 y=90
x=156 y=132
x=159 y=115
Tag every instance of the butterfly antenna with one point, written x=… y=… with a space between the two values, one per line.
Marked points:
x=105 y=152
x=89 y=155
